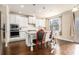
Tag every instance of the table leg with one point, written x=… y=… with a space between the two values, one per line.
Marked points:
x=31 y=48
x=31 y=43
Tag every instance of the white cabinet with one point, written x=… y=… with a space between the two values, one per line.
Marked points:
x=22 y=21
x=23 y=26
x=17 y=19
x=12 y=19
x=32 y=20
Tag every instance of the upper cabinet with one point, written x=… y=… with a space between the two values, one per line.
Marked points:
x=12 y=19
x=22 y=21
x=32 y=20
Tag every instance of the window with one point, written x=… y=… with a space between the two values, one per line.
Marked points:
x=40 y=23
x=55 y=25
x=77 y=26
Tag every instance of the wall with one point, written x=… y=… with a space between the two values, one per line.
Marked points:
x=76 y=26
x=67 y=24
x=47 y=24
x=4 y=17
x=0 y=32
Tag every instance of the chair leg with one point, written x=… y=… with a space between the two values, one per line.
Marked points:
x=42 y=44
x=45 y=45
x=36 y=44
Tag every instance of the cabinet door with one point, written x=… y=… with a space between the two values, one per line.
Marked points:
x=32 y=20
x=12 y=19
x=23 y=25
x=25 y=22
x=21 y=21
x=17 y=19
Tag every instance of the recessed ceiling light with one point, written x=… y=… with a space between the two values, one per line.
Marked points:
x=22 y=6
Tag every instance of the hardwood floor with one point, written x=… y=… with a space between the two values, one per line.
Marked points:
x=66 y=48
x=19 y=48
x=62 y=48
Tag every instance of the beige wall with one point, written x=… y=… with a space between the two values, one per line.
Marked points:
x=47 y=24
x=67 y=24
x=2 y=19
x=5 y=17
x=76 y=26
x=2 y=8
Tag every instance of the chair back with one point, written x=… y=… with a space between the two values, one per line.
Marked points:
x=40 y=35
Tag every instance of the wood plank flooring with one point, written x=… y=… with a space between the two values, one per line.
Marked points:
x=62 y=48
x=20 y=48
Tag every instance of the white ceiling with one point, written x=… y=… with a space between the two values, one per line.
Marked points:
x=38 y=11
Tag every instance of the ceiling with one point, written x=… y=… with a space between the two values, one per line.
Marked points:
x=40 y=10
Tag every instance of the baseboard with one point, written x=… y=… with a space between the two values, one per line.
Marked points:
x=16 y=41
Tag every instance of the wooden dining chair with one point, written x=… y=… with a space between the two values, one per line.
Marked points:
x=40 y=38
